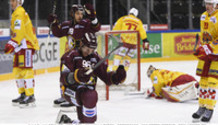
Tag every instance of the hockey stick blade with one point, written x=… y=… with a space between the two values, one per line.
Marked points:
x=196 y=42
x=103 y=60
x=50 y=26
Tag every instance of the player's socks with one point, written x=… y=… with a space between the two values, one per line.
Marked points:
x=199 y=113
x=207 y=115
x=28 y=101
x=16 y=101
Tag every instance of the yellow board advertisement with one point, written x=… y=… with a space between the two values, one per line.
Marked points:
x=178 y=44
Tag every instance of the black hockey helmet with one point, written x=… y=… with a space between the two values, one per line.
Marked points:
x=90 y=40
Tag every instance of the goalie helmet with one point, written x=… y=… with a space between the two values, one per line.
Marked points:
x=134 y=11
x=90 y=40
x=150 y=70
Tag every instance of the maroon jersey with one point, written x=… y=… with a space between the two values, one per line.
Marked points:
x=75 y=31
x=74 y=60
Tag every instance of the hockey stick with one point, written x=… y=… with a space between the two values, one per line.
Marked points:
x=196 y=42
x=53 y=12
x=106 y=57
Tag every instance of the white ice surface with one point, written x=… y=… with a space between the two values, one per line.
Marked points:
x=119 y=109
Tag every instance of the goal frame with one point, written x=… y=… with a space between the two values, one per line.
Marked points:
x=138 y=56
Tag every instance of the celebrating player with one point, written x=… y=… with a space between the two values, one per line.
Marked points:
x=174 y=86
x=23 y=44
x=79 y=86
x=208 y=65
x=74 y=30
x=129 y=22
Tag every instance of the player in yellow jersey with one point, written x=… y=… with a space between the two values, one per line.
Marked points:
x=129 y=22
x=174 y=86
x=23 y=44
x=208 y=66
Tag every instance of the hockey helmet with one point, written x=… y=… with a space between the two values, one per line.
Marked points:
x=90 y=40
x=150 y=70
x=76 y=8
x=214 y=2
x=134 y=11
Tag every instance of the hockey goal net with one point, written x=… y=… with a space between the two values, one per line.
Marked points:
x=129 y=57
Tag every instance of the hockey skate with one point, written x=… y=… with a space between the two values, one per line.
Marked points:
x=197 y=115
x=28 y=101
x=15 y=102
x=59 y=101
x=207 y=115
x=66 y=105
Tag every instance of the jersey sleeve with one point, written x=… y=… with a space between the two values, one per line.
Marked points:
x=142 y=31
x=18 y=28
x=60 y=30
x=118 y=24
x=89 y=26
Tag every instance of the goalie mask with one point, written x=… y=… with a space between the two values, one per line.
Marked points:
x=150 y=70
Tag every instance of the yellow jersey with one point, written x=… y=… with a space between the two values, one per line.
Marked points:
x=161 y=78
x=22 y=31
x=130 y=22
x=209 y=29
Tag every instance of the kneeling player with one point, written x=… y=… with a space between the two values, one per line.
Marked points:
x=174 y=86
x=79 y=86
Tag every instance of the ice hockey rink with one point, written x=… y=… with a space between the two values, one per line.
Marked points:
x=125 y=109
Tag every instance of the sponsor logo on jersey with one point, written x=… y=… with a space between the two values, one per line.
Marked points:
x=71 y=30
x=184 y=44
x=155 y=80
x=78 y=26
x=203 y=17
x=213 y=19
x=17 y=24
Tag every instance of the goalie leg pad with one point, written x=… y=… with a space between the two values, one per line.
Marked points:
x=180 y=93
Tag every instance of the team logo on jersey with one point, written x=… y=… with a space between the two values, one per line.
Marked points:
x=203 y=17
x=213 y=19
x=205 y=25
x=71 y=30
x=17 y=24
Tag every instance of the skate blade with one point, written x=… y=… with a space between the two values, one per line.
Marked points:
x=29 y=105
x=56 y=105
x=196 y=120
x=15 y=103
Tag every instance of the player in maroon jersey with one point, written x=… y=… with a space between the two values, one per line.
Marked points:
x=79 y=87
x=74 y=30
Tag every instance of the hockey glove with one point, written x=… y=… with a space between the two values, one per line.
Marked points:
x=119 y=76
x=203 y=51
x=145 y=44
x=90 y=11
x=10 y=46
x=80 y=76
x=52 y=18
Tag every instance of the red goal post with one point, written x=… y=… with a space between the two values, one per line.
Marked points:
x=105 y=37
